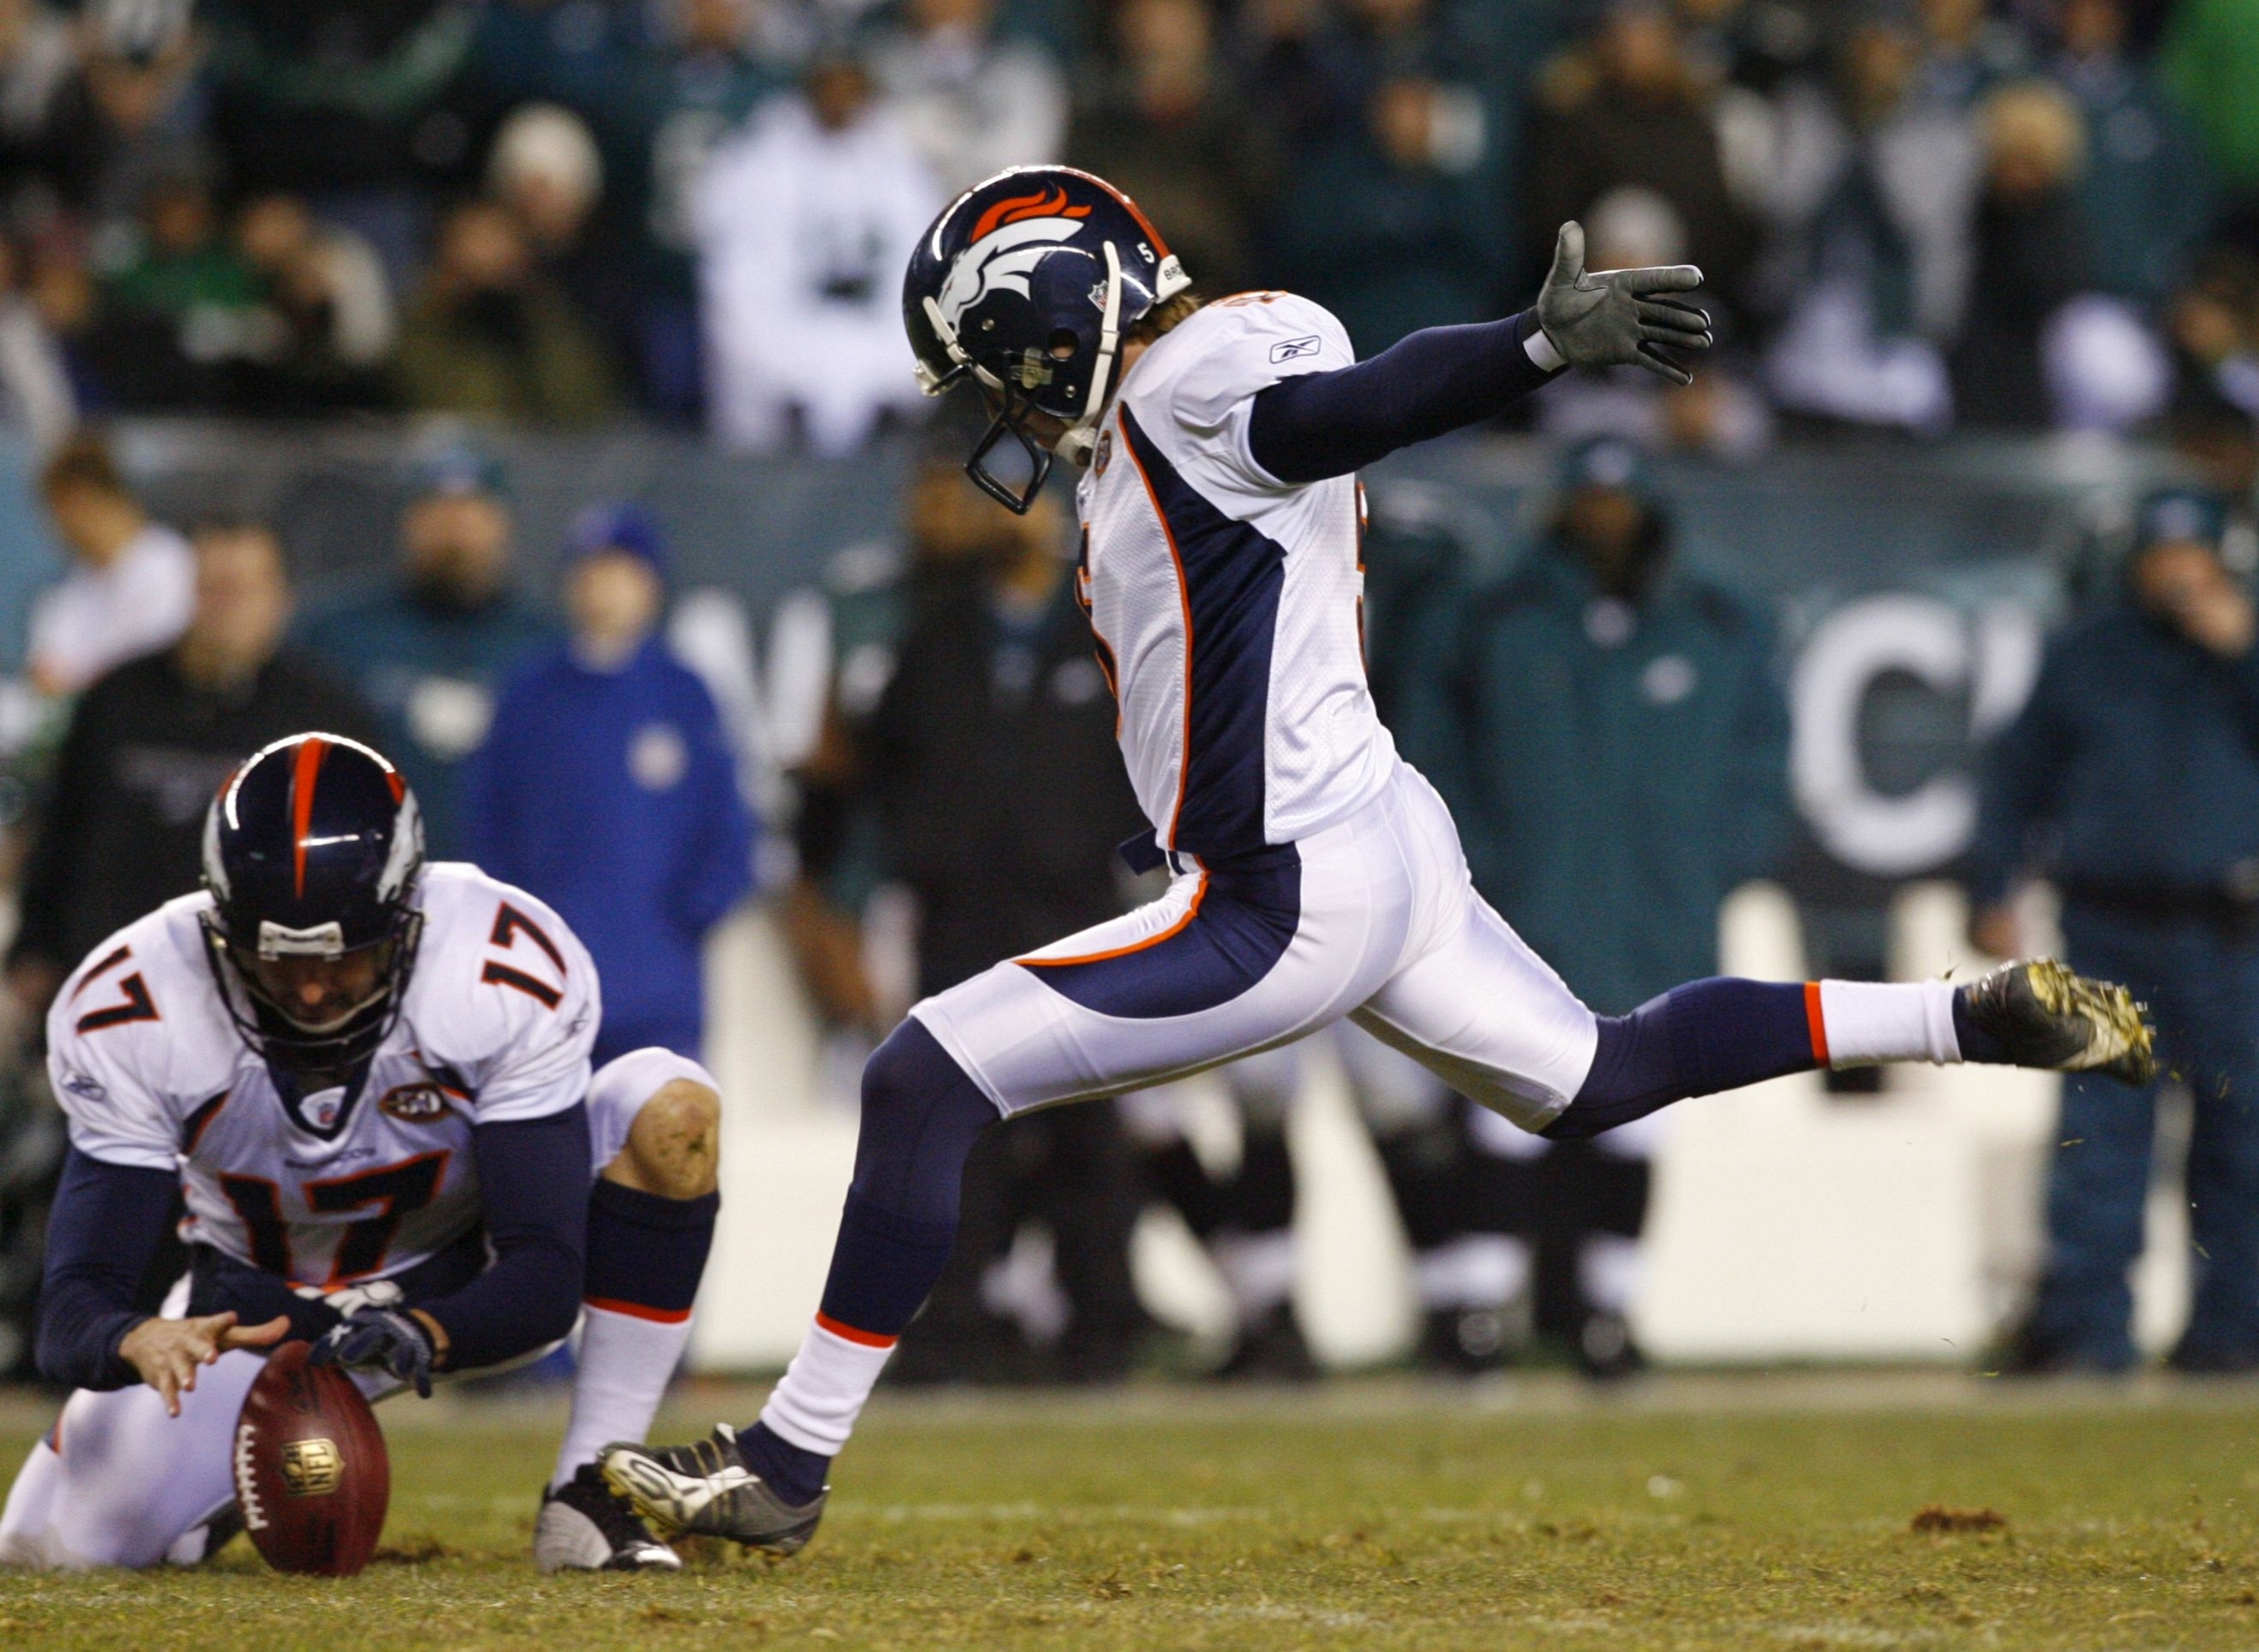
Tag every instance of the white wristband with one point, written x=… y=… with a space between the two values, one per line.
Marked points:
x=1541 y=350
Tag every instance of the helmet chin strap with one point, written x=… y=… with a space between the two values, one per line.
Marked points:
x=1081 y=436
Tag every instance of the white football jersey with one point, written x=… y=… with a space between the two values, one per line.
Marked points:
x=496 y=1022
x=1227 y=604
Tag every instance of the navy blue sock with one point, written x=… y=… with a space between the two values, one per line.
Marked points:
x=1697 y=1039
x=647 y=1254
x=796 y=1476
x=921 y=1117
x=1976 y=1043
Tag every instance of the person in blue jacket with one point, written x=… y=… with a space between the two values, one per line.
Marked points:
x=2131 y=780
x=607 y=788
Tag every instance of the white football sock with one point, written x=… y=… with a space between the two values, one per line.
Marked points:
x=626 y=1362
x=1869 y=1021
x=1608 y=1269
x=823 y=1390
x=1474 y=1271
x=1260 y=1268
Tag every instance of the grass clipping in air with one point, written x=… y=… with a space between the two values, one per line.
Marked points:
x=1381 y=1515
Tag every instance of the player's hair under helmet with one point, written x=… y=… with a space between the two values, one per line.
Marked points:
x=1025 y=284
x=311 y=851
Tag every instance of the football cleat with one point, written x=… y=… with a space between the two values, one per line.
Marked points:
x=2045 y=1015
x=705 y=1490
x=585 y=1525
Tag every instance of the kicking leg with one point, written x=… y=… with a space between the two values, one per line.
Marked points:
x=1485 y=1013
x=655 y=1121
x=1720 y=1034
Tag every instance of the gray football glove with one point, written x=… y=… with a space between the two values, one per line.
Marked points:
x=1616 y=317
x=379 y=1339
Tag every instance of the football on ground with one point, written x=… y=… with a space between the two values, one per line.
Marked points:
x=312 y=1480
x=1802 y=1512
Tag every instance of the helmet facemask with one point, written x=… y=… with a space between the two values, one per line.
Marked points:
x=254 y=978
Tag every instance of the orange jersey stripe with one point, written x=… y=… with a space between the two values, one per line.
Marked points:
x=1816 y=1022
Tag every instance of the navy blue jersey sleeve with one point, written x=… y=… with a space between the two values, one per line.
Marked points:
x=1320 y=424
x=102 y=1232
x=533 y=1184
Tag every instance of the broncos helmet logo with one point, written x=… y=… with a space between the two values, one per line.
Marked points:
x=1009 y=239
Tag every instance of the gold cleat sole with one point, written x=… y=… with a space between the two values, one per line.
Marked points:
x=2120 y=1042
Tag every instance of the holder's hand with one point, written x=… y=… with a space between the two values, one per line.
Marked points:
x=167 y=1352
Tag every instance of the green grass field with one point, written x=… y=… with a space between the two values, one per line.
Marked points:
x=1692 y=1513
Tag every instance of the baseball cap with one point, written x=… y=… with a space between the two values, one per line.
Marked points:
x=620 y=526
x=1605 y=461
x=456 y=469
x=2174 y=513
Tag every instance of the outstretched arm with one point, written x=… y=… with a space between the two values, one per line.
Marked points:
x=1319 y=424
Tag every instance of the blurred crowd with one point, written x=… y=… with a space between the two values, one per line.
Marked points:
x=1914 y=214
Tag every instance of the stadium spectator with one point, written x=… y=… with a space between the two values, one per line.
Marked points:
x=491 y=333
x=129 y=587
x=1967 y=51
x=546 y=168
x=2213 y=323
x=149 y=743
x=1162 y=121
x=179 y=311
x=134 y=110
x=1887 y=253
x=39 y=404
x=2145 y=198
x=581 y=55
x=38 y=55
x=607 y=788
x=717 y=62
x=1612 y=738
x=328 y=324
x=347 y=104
x=2030 y=255
x=971 y=100
x=1389 y=218
x=430 y=654
x=990 y=761
x=804 y=222
x=1630 y=110
x=2144 y=713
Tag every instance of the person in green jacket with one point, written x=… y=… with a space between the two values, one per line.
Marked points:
x=1610 y=733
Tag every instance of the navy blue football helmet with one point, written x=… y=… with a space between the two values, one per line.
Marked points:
x=1024 y=285
x=311 y=852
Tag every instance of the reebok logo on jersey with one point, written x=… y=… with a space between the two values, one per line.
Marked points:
x=1295 y=349
x=414 y=1103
